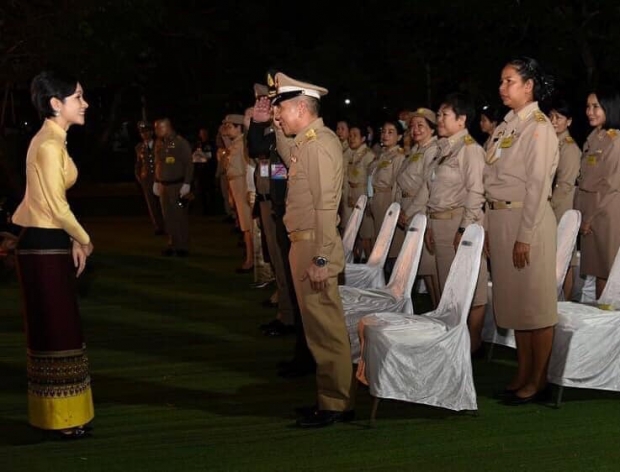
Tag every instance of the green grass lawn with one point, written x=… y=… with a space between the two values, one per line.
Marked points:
x=183 y=380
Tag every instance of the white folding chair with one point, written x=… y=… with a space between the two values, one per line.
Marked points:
x=371 y=274
x=396 y=295
x=353 y=225
x=426 y=358
x=586 y=341
x=568 y=228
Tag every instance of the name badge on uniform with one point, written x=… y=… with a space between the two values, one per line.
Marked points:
x=355 y=172
x=170 y=160
x=278 y=172
x=416 y=157
x=384 y=164
x=264 y=169
x=591 y=159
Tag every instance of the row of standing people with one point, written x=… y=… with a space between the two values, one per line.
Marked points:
x=518 y=185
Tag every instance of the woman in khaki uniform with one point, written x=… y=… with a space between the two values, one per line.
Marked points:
x=236 y=172
x=563 y=195
x=384 y=173
x=410 y=190
x=359 y=157
x=522 y=226
x=489 y=118
x=599 y=187
x=456 y=198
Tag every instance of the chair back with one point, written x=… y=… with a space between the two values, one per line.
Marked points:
x=568 y=228
x=381 y=249
x=408 y=260
x=352 y=228
x=458 y=292
x=610 y=298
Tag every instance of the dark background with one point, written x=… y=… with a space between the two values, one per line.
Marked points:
x=196 y=61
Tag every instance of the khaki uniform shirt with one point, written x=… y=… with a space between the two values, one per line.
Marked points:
x=565 y=175
x=236 y=163
x=173 y=160
x=411 y=177
x=521 y=165
x=357 y=165
x=456 y=181
x=385 y=169
x=600 y=169
x=315 y=177
x=50 y=171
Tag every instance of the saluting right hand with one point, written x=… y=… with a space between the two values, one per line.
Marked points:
x=262 y=110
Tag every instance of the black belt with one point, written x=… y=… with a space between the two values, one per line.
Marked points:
x=263 y=198
x=171 y=182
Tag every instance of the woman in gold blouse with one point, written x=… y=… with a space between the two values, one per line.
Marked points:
x=51 y=252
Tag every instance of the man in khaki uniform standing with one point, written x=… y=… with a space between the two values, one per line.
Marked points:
x=314 y=156
x=174 y=171
x=145 y=174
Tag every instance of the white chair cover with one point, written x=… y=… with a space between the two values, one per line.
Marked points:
x=353 y=225
x=370 y=274
x=586 y=342
x=426 y=358
x=610 y=298
x=586 y=348
x=396 y=295
x=568 y=228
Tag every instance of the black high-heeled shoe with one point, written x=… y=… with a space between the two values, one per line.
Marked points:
x=70 y=434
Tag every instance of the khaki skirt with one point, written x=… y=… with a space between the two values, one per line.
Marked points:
x=523 y=299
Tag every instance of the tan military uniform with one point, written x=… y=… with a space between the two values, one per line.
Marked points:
x=384 y=173
x=598 y=200
x=315 y=178
x=563 y=195
x=456 y=198
x=517 y=181
x=410 y=180
x=357 y=164
x=173 y=168
x=236 y=171
x=145 y=174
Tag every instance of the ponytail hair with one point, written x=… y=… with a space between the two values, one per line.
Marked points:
x=529 y=68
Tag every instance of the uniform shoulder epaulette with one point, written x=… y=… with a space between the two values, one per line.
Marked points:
x=400 y=150
x=310 y=134
x=539 y=116
x=468 y=140
x=612 y=133
x=569 y=140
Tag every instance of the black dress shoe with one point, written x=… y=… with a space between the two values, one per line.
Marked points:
x=503 y=394
x=168 y=252
x=296 y=370
x=181 y=253
x=515 y=400
x=322 y=418
x=267 y=326
x=279 y=329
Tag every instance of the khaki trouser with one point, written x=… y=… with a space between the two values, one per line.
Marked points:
x=326 y=331
x=176 y=218
x=285 y=304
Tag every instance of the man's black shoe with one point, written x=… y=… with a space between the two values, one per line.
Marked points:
x=279 y=329
x=295 y=371
x=168 y=252
x=268 y=326
x=322 y=418
x=182 y=253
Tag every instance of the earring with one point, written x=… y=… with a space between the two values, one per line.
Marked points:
x=56 y=113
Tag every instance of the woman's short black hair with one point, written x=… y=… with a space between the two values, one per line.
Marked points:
x=47 y=85
x=529 y=68
x=562 y=106
x=609 y=99
x=492 y=112
x=361 y=126
x=396 y=123
x=461 y=105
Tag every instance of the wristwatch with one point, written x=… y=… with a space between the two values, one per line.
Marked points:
x=320 y=261
x=461 y=230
